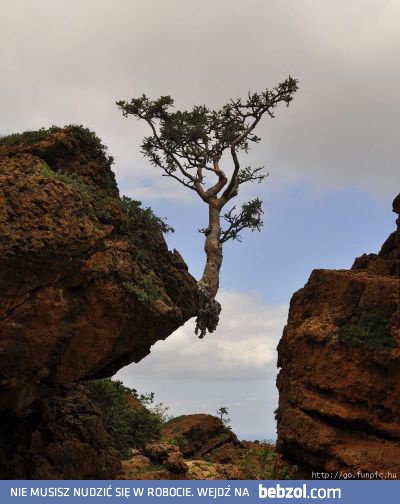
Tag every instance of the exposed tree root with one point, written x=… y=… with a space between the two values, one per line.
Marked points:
x=207 y=312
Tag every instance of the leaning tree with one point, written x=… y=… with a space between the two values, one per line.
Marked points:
x=188 y=146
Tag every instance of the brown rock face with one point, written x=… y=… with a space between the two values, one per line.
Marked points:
x=198 y=434
x=87 y=284
x=167 y=454
x=234 y=460
x=339 y=384
x=64 y=438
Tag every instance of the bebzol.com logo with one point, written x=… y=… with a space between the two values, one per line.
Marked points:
x=279 y=492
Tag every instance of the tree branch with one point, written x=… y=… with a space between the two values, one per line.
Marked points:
x=222 y=180
x=196 y=183
x=249 y=174
x=249 y=217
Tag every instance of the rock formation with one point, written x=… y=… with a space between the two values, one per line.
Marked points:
x=339 y=383
x=63 y=438
x=87 y=286
x=198 y=434
x=201 y=447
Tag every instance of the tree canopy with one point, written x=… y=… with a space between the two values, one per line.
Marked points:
x=188 y=147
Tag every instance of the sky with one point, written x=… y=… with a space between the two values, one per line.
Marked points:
x=332 y=155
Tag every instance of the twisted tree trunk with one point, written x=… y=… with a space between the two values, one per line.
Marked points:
x=208 y=308
x=213 y=250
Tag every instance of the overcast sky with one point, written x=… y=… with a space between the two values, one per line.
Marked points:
x=332 y=156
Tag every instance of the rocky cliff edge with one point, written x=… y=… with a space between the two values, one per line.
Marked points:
x=339 y=383
x=87 y=286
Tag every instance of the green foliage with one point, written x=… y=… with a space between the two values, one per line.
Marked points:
x=90 y=140
x=87 y=138
x=188 y=145
x=249 y=217
x=223 y=413
x=139 y=219
x=225 y=437
x=161 y=412
x=260 y=458
x=200 y=135
x=142 y=256
x=182 y=442
x=28 y=137
x=371 y=332
x=144 y=216
x=147 y=290
x=130 y=427
x=72 y=180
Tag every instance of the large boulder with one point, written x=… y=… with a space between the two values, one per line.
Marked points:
x=87 y=284
x=197 y=435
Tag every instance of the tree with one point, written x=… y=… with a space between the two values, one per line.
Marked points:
x=223 y=413
x=188 y=146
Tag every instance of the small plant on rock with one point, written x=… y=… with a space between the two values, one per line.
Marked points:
x=372 y=331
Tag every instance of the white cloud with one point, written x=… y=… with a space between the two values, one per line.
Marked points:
x=234 y=367
x=340 y=130
x=242 y=348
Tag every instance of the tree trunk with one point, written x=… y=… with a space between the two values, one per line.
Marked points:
x=208 y=308
x=213 y=250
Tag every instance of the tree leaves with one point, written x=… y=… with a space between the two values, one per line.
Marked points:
x=191 y=140
x=249 y=217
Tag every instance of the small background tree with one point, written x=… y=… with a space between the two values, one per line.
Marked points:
x=223 y=413
x=188 y=146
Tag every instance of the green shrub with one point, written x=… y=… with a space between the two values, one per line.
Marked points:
x=143 y=216
x=147 y=290
x=182 y=443
x=129 y=426
x=74 y=181
x=139 y=219
x=161 y=412
x=261 y=459
x=371 y=332
x=28 y=137
x=87 y=138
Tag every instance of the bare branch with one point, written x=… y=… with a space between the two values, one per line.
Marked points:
x=231 y=190
x=182 y=181
x=222 y=180
x=167 y=151
x=196 y=182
